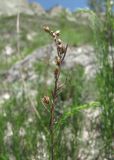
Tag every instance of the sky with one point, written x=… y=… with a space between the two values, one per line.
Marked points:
x=70 y=4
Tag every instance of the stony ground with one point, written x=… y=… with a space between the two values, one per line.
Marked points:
x=89 y=138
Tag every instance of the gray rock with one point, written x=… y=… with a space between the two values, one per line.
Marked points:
x=37 y=8
x=56 y=10
x=11 y=7
x=83 y=55
x=90 y=137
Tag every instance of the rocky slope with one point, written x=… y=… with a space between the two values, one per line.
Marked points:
x=90 y=138
x=83 y=55
x=11 y=7
x=37 y=8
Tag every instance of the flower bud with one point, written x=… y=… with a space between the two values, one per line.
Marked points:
x=46 y=29
x=58 y=60
x=54 y=35
x=51 y=32
x=59 y=41
x=61 y=48
x=46 y=100
x=57 y=32
x=56 y=72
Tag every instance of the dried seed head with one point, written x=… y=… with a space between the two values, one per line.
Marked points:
x=56 y=71
x=46 y=29
x=59 y=41
x=61 y=48
x=46 y=100
x=58 y=60
x=57 y=32
x=51 y=32
x=54 y=35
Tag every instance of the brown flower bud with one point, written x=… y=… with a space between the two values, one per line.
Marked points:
x=51 y=32
x=46 y=29
x=58 y=60
x=61 y=48
x=57 y=32
x=54 y=35
x=59 y=41
x=56 y=72
x=46 y=100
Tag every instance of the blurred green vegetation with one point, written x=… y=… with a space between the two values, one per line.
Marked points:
x=18 y=110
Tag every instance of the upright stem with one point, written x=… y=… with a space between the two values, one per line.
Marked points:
x=54 y=96
x=61 y=53
x=52 y=137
